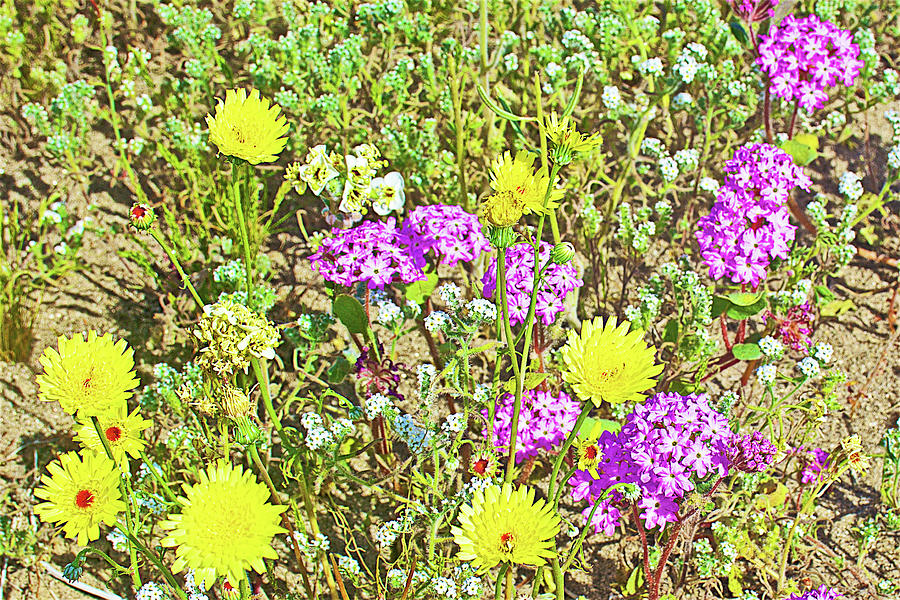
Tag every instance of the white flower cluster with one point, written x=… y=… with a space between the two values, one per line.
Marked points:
x=389 y=314
x=611 y=98
x=311 y=547
x=454 y=424
x=416 y=437
x=426 y=374
x=690 y=61
x=451 y=295
x=151 y=591
x=651 y=66
x=850 y=185
x=196 y=589
x=437 y=321
x=482 y=310
x=823 y=352
x=349 y=566
x=766 y=374
x=772 y=348
x=118 y=540
x=795 y=296
x=482 y=394
x=708 y=184
x=317 y=437
x=682 y=100
x=809 y=367
x=378 y=405
x=668 y=168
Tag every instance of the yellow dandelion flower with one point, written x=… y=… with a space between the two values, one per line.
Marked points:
x=121 y=430
x=225 y=527
x=518 y=190
x=247 y=127
x=609 y=363
x=506 y=525
x=589 y=455
x=81 y=493
x=566 y=143
x=90 y=376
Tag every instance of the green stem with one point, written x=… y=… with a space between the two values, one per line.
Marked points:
x=511 y=347
x=570 y=439
x=262 y=377
x=184 y=278
x=159 y=479
x=498 y=587
x=135 y=575
x=236 y=182
x=156 y=562
x=510 y=587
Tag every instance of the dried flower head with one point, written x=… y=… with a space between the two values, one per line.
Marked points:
x=230 y=334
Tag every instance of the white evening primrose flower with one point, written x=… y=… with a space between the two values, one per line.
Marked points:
x=387 y=193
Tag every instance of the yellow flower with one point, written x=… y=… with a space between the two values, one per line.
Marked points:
x=608 y=363
x=91 y=376
x=506 y=525
x=225 y=526
x=80 y=493
x=518 y=190
x=121 y=430
x=565 y=141
x=589 y=455
x=247 y=127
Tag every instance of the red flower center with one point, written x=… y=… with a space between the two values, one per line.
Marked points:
x=520 y=189
x=84 y=499
x=138 y=212
x=480 y=466
x=507 y=542
x=113 y=434
x=590 y=452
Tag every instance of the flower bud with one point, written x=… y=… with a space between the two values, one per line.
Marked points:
x=235 y=403
x=142 y=217
x=501 y=237
x=562 y=253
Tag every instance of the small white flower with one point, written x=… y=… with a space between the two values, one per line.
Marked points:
x=809 y=367
x=387 y=193
x=376 y=405
x=823 y=352
x=437 y=321
x=766 y=374
x=771 y=347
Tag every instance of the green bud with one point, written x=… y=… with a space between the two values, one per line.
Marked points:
x=562 y=253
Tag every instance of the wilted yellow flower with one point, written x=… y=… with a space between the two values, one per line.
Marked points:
x=606 y=362
x=506 y=525
x=247 y=127
x=121 y=430
x=851 y=447
x=90 y=376
x=230 y=334
x=565 y=141
x=225 y=526
x=80 y=494
x=518 y=190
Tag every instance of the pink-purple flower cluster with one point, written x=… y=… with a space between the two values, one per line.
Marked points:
x=754 y=11
x=804 y=56
x=558 y=281
x=749 y=224
x=751 y=453
x=822 y=592
x=813 y=468
x=378 y=253
x=374 y=252
x=545 y=420
x=454 y=233
x=793 y=327
x=666 y=444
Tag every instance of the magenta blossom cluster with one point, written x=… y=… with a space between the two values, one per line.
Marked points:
x=813 y=468
x=804 y=56
x=558 y=281
x=374 y=252
x=667 y=443
x=793 y=327
x=822 y=592
x=455 y=235
x=754 y=11
x=751 y=453
x=749 y=224
x=545 y=420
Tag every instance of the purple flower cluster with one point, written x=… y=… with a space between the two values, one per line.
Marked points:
x=804 y=56
x=754 y=11
x=379 y=252
x=793 y=327
x=373 y=252
x=558 y=281
x=823 y=592
x=544 y=421
x=749 y=224
x=813 y=468
x=664 y=445
x=456 y=235
x=751 y=453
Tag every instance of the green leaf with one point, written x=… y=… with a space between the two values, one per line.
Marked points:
x=592 y=428
x=773 y=499
x=823 y=294
x=532 y=380
x=744 y=298
x=746 y=352
x=418 y=291
x=337 y=371
x=719 y=305
x=671 y=332
x=351 y=313
x=738 y=31
x=740 y=313
x=635 y=582
x=804 y=148
x=734 y=582
x=685 y=387
x=868 y=234
x=836 y=308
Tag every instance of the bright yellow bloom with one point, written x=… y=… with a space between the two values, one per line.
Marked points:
x=608 y=363
x=566 y=143
x=89 y=376
x=225 y=526
x=80 y=493
x=247 y=127
x=121 y=430
x=506 y=525
x=589 y=455
x=518 y=190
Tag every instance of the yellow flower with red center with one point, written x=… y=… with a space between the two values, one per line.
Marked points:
x=80 y=493
x=518 y=190
x=121 y=430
